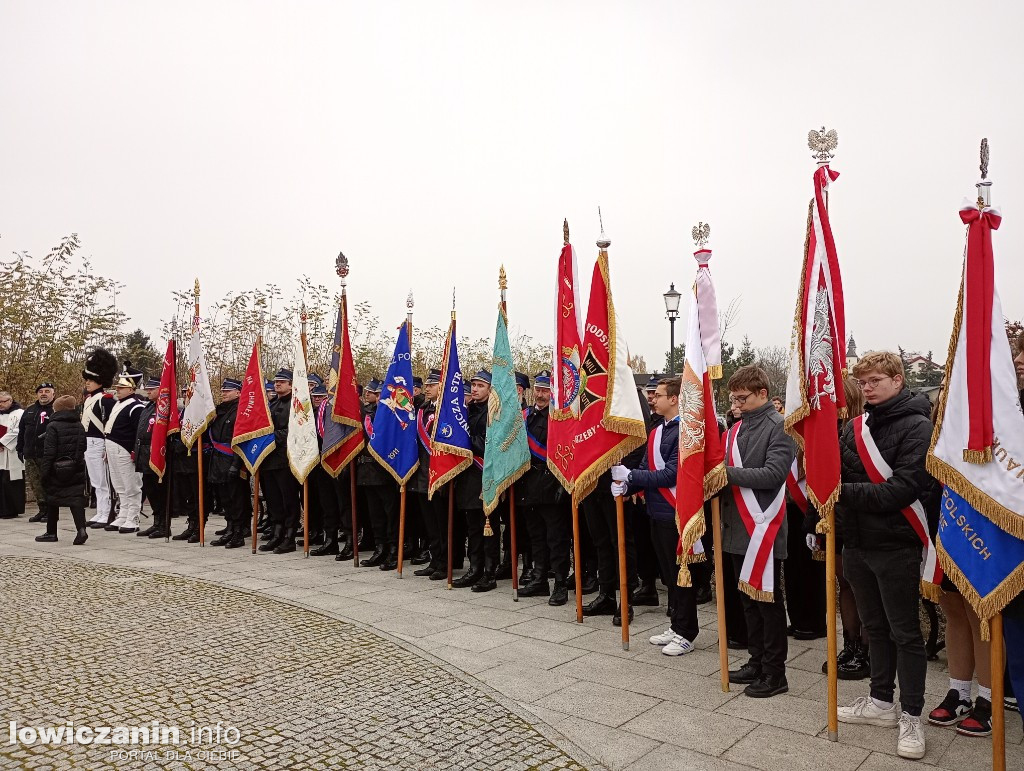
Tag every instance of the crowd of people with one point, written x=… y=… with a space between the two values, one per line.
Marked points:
x=98 y=444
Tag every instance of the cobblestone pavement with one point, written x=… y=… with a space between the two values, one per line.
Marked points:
x=521 y=664
x=109 y=646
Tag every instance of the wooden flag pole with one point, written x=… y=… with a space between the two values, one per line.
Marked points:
x=342 y=269
x=167 y=479
x=514 y=557
x=355 y=514
x=723 y=637
x=255 y=505
x=451 y=525
x=830 y=612
x=577 y=565
x=620 y=518
x=998 y=667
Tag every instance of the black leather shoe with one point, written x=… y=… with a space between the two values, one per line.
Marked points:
x=159 y=533
x=423 y=571
x=47 y=537
x=391 y=563
x=703 y=595
x=504 y=570
x=111 y=528
x=222 y=531
x=645 y=594
x=81 y=537
x=96 y=525
x=439 y=575
x=486 y=583
x=735 y=645
x=225 y=536
x=194 y=538
x=469 y=578
x=185 y=534
x=617 y=618
x=590 y=584
x=346 y=553
x=40 y=517
x=536 y=589
x=145 y=533
x=375 y=559
x=126 y=530
x=766 y=686
x=560 y=594
x=423 y=558
x=530 y=575
x=235 y=541
x=330 y=546
x=748 y=673
x=602 y=605
x=287 y=544
x=275 y=540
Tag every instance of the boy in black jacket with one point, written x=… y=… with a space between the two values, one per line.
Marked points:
x=62 y=469
x=659 y=486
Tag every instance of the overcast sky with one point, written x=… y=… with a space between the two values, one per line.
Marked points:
x=247 y=142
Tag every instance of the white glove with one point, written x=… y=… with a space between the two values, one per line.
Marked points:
x=618 y=488
x=812 y=542
x=620 y=473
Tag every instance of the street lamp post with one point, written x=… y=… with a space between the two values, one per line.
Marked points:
x=672 y=312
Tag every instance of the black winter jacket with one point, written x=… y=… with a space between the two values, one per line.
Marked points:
x=223 y=464
x=469 y=484
x=144 y=438
x=869 y=515
x=64 y=439
x=538 y=486
x=369 y=472
x=653 y=481
x=420 y=481
x=280 y=407
x=32 y=429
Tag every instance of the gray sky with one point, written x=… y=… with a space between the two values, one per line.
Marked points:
x=247 y=142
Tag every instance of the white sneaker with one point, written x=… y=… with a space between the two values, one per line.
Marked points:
x=864 y=711
x=678 y=646
x=664 y=638
x=911 y=741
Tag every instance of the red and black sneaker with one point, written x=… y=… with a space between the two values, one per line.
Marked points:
x=951 y=711
x=979 y=721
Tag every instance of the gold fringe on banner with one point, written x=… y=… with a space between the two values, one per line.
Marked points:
x=715 y=372
x=994 y=602
x=805 y=408
x=931 y=591
x=714 y=481
x=756 y=594
x=818 y=556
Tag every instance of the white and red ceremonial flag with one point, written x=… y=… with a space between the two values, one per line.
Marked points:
x=611 y=421
x=166 y=418
x=565 y=368
x=701 y=471
x=707 y=306
x=199 y=407
x=815 y=398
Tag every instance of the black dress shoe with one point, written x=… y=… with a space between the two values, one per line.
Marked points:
x=423 y=571
x=602 y=605
x=423 y=558
x=375 y=559
x=222 y=531
x=124 y=530
x=645 y=594
x=330 y=546
x=194 y=538
x=47 y=538
x=486 y=583
x=560 y=594
x=439 y=575
x=222 y=541
x=469 y=578
x=391 y=563
x=145 y=533
x=703 y=595
x=590 y=584
x=184 y=535
x=111 y=528
x=536 y=589
x=159 y=533
x=801 y=634
x=736 y=645
x=529 y=576
x=287 y=544
x=40 y=517
x=276 y=540
x=748 y=673
x=81 y=537
x=617 y=618
x=766 y=686
x=346 y=553
x=96 y=525
x=504 y=571
x=235 y=541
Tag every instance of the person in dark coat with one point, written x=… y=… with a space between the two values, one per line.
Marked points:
x=281 y=489
x=380 y=490
x=63 y=469
x=227 y=475
x=152 y=489
x=30 y=443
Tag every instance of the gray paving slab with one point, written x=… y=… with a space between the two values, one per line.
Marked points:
x=710 y=733
x=770 y=748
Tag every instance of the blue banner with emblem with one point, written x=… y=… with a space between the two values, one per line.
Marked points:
x=394 y=425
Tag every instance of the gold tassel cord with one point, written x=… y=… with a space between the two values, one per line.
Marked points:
x=715 y=372
x=714 y=481
x=488 y=531
x=978 y=457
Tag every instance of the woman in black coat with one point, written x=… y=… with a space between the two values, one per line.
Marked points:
x=63 y=469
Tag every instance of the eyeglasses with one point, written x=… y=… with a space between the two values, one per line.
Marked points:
x=873 y=382
x=739 y=399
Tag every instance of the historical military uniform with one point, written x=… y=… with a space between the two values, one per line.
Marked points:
x=545 y=509
x=152 y=489
x=121 y=431
x=227 y=474
x=280 y=487
x=382 y=497
x=100 y=370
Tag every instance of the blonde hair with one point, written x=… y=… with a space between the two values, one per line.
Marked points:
x=854 y=398
x=886 y=362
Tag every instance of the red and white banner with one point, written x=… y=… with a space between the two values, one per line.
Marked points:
x=815 y=398
x=757 y=576
x=707 y=314
x=701 y=472
x=879 y=471
x=565 y=370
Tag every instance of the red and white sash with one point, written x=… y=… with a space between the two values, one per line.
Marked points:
x=757 y=577
x=656 y=462
x=797 y=487
x=879 y=471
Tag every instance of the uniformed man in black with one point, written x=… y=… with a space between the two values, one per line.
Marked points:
x=185 y=489
x=382 y=496
x=317 y=396
x=434 y=512
x=227 y=474
x=153 y=491
x=280 y=487
x=545 y=504
x=483 y=550
x=330 y=494
x=31 y=430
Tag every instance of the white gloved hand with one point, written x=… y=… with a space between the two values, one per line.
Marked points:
x=812 y=542
x=620 y=473
x=618 y=488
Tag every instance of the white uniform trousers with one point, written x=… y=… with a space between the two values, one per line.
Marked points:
x=95 y=462
x=127 y=483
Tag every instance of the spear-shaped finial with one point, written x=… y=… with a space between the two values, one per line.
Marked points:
x=303 y=315
x=823 y=143
x=984 y=185
x=502 y=279
x=341 y=268
x=701 y=233
x=409 y=302
x=453 y=303
x=195 y=289
x=984 y=158
x=602 y=242
x=565 y=231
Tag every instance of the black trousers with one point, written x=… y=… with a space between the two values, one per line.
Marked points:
x=601 y=519
x=185 y=497
x=333 y=498
x=735 y=618
x=887 y=587
x=382 y=503
x=435 y=523
x=805 y=579
x=235 y=500
x=766 y=625
x=283 y=494
x=682 y=600
x=484 y=551
x=12 y=496
x=155 y=491
x=549 y=527
x=647 y=564
x=53 y=515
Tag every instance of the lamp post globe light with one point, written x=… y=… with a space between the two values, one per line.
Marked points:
x=672 y=298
